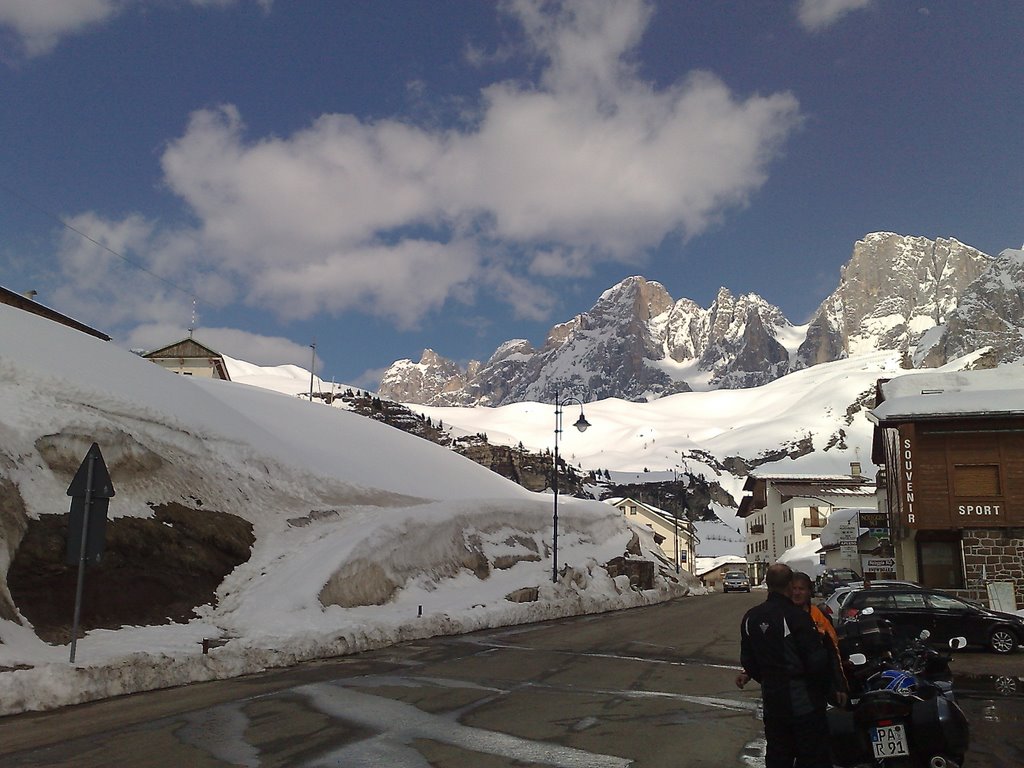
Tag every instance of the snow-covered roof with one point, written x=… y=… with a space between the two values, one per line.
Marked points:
x=940 y=394
x=812 y=489
x=830 y=533
x=707 y=564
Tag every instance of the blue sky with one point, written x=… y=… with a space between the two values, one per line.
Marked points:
x=385 y=176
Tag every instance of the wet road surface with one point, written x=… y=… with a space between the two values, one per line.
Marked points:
x=647 y=688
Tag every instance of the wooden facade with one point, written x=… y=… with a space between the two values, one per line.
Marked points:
x=954 y=483
x=957 y=473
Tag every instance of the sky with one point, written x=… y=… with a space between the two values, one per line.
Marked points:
x=378 y=178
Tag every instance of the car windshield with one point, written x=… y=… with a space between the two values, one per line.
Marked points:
x=845 y=573
x=735 y=575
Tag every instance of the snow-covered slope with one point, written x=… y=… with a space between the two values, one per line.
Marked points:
x=345 y=512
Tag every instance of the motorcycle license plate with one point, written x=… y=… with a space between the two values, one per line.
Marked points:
x=889 y=741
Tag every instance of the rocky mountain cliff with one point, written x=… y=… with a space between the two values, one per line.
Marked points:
x=932 y=299
x=893 y=289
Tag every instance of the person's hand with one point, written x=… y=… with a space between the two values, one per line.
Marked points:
x=742 y=679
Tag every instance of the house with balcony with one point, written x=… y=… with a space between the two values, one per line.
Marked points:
x=675 y=535
x=783 y=511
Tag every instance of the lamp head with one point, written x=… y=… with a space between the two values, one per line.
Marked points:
x=582 y=423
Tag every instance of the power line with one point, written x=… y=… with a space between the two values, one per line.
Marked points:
x=107 y=248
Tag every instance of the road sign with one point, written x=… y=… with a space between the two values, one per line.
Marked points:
x=878 y=564
x=101 y=486
x=90 y=492
x=89 y=498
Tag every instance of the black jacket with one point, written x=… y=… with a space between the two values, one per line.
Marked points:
x=780 y=648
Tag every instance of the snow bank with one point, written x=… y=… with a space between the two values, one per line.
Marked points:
x=364 y=536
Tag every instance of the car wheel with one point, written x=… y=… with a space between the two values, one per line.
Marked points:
x=1002 y=640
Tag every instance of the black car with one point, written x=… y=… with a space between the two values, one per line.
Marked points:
x=831 y=578
x=909 y=610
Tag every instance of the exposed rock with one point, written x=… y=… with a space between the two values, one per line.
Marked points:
x=893 y=289
x=153 y=571
x=988 y=315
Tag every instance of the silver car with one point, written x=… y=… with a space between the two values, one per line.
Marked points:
x=736 y=581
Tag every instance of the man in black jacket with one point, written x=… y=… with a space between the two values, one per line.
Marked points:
x=781 y=650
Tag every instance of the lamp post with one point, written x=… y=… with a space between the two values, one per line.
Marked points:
x=581 y=424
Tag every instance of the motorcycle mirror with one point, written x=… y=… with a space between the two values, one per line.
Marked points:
x=858 y=659
x=956 y=643
x=925 y=634
x=867 y=611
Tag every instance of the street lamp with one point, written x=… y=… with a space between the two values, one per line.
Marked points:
x=581 y=424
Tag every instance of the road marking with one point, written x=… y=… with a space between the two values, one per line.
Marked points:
x=403 y=723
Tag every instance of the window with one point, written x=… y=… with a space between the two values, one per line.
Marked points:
x=909 y=600
x=868 y=600
x=946 y=603
x=976 y=480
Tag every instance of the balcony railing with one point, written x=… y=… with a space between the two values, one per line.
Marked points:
x=757 y=528
x=814 y=522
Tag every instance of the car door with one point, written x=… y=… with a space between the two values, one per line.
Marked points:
x=912 y=613
x=953 y=618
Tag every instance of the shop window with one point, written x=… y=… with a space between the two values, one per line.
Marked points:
x=976 y=480
x=940 y=564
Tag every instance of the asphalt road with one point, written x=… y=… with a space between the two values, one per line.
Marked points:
x=646 y=688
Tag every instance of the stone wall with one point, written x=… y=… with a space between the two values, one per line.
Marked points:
x=993 y=554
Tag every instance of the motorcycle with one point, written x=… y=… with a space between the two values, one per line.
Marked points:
x=903 y=709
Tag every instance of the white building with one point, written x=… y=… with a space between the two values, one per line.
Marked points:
x=672 y=534
x=784 y=511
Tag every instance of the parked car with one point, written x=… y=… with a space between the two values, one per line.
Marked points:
x=831 y=578
x=910 y=610
x=832 y=607
x=736 y=581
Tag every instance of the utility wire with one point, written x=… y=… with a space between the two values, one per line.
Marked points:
x=105 y=247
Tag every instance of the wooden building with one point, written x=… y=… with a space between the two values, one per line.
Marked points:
x=190 y=358
x=952 y=448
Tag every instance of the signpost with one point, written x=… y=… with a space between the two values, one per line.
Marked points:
x=90 y=492
x=848 y=539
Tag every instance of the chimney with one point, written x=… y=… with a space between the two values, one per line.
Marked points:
x=855 y=468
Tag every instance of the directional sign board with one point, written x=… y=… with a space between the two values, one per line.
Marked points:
x=90 y=492
x=878 y=565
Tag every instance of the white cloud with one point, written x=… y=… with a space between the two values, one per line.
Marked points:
x=586 y=164
x=815 y=15
x=395 y=219
x=39 y=25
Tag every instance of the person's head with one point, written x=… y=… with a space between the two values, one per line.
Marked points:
x=778 y=578
x=800 y=590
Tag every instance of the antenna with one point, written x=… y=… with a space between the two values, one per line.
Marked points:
x=192 y=327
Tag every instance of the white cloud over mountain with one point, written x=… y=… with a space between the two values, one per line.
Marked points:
x=586 y=162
